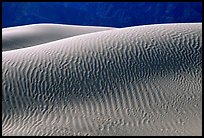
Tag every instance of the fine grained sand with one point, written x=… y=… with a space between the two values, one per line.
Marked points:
x=35 y=34
x=143 y=80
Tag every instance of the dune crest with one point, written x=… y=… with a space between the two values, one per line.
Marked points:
x=35 y=34
x=143 y=80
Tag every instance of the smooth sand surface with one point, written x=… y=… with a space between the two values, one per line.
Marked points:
x=143 y=80
x=35 y=34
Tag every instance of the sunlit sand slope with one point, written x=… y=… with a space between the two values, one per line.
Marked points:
x=143 y=80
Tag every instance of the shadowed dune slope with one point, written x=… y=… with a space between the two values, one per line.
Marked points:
x=30 y=35
x=143 y=80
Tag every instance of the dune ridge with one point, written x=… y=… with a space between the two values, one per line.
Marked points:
x=143 y=80
x=35 y=34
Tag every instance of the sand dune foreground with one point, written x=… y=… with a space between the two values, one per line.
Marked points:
x=143 y=80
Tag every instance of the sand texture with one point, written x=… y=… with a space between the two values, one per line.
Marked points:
x=139 y=81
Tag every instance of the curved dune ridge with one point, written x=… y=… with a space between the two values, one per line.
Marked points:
x=35 y=34
x=143 y=80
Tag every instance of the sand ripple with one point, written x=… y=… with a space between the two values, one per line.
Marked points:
x=143 y=80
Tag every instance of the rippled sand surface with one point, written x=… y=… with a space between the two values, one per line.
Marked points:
x=142 y=80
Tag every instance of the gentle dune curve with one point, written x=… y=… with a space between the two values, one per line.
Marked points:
x=143 y=80
x=35 y=34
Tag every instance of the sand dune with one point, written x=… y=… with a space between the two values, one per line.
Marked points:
x=35 y=34
x=143 y=80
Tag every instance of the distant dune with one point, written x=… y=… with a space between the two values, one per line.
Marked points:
x=35 y=34
x=139 y=81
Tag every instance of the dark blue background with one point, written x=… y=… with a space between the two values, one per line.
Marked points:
x=115 y=14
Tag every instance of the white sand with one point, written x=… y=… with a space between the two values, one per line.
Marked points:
x=143 y=80
x=35 y=34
